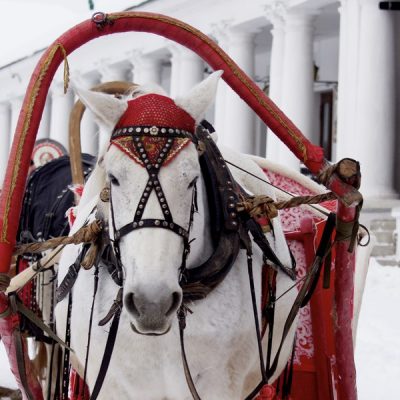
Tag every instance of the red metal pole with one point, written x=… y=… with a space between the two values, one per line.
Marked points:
x=28 y=122
x=344 y=295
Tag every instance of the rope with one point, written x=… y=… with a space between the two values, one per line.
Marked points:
x=265 y=206
x=4 y=282
x=86 y=234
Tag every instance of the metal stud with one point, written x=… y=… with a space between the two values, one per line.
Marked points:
x=170 y=130
x=171 y=225
x=146 y=130
x=163 y=130
x=138 y=129
x=138 y=212
x=164 y=206
x=167 y=212
x=154 y=131
x=231 y=205
x=157 y=222
x=149 y=167
x=140 y=206
x=141 y=223
x=134 y=224
x=130 y=130
x=232 y=215
x=162 y=200
x=165 y=223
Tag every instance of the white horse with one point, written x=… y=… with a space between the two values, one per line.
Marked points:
x=220 y=337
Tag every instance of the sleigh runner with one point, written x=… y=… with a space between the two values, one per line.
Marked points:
x=332 y=357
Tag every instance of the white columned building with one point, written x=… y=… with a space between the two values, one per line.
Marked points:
x=304 y=33
x=89 y=128
x=16 y=105
x=297 y=96
x=349 y=37
x=146 y=68
x=61 y=105
x=5 y=123
x=187 y=69
x=376 y=99
x=219 y=31
x=110 y=73
x=44 y=127
x=239 y=119
x=276 y=13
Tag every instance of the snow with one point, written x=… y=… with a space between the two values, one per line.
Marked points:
x=378 y=340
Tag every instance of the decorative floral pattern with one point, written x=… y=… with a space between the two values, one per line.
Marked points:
x=291 y=219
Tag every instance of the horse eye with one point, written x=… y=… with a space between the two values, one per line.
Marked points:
x=113 y=180
x=191 y=184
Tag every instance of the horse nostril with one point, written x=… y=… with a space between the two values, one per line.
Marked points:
x=129 y=301
x=175 y=303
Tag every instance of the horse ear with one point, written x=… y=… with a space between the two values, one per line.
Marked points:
x=106 y=108
x=200 y=97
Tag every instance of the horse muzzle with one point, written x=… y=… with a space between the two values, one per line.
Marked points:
x=152 y=315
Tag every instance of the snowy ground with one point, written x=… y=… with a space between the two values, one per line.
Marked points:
x=378 y=340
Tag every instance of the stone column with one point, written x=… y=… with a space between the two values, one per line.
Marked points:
x=5 y=123
x=16 y=105
x=239 y=119
x=61 y=105
x=44 y=127
x=275 y=13
x=297 y=99
x=111 y=73
x=89 y=128
x=376 y=97
x=187 y=69
x=146 y=69
x=348 y=77
x=219 y=32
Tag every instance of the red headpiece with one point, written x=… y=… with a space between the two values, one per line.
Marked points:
x=155 y=110
x=154 y=118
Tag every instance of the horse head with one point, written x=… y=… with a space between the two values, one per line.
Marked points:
x=152 y=173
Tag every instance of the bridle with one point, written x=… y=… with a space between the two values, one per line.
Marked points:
x=168 y=135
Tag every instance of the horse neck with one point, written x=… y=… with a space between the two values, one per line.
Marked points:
x=201 y=247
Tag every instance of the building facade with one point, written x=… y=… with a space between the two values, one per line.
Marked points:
x=330 y=65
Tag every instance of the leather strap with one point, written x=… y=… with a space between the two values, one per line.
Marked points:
x=105 y=362
x=188 y=375
x=304 y=292
x=39 y=323
x=19 y=349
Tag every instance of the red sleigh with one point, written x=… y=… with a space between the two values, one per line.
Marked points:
x=327 y=371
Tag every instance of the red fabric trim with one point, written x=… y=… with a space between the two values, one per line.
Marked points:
x=153 y=146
